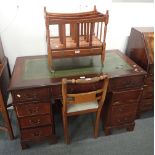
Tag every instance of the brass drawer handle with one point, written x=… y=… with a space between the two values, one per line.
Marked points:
x=34 y=111
x=18 y=95
x=117 y=102
x=35 y=102
x=37 y=134
x=35 y=121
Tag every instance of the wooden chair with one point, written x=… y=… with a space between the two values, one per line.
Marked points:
x=75 y=34
x=85 y=101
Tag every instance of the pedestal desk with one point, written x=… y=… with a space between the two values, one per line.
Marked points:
x=32 y=87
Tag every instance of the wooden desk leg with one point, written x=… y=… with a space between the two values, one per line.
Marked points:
x=130 y=127
x=107 y=131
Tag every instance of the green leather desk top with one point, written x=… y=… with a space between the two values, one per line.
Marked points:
x=32 y=71
x=38 y=68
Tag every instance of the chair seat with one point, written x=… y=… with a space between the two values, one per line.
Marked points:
x=82 y=106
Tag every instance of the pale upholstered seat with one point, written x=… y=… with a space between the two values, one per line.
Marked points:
x=82 y=106
x=85 y=101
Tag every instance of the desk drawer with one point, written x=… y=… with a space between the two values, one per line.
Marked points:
x=126 y=97
x=122 y=110
x=119 y=120
x=123 y=114
x=35 y=121
x=130 y=82
x=28 y=134
x=37 y=94
x=33 y=109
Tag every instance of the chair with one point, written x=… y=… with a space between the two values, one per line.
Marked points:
x=90 y=99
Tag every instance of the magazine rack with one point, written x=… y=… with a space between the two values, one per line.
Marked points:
x=75 y=34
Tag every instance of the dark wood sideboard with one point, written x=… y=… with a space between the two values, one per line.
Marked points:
x=140 y=49
x=4 y=93
x=32 y=87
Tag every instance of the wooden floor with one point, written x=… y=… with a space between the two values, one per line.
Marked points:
x=70 y=43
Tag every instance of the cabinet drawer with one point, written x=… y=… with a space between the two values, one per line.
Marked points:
x=36 y=133
x=32 y=109
x=123 y=110
x=37 y=94
x=126 y=97
x=121 y=83
x=35 y=121
x=119 y=120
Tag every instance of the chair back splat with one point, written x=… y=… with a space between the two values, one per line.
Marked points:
x=75 y=34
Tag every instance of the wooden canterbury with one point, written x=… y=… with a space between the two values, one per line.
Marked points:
x=75 y=34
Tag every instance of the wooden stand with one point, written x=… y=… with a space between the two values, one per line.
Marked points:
x=75 y=34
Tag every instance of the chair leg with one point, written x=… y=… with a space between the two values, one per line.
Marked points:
x=97 y=122
x=65 y=126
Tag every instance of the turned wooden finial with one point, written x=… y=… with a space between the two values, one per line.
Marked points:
x=95 y=8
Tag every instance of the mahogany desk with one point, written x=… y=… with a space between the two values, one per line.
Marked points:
x=32 y=86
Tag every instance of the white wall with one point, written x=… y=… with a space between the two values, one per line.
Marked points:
x=22 y=26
